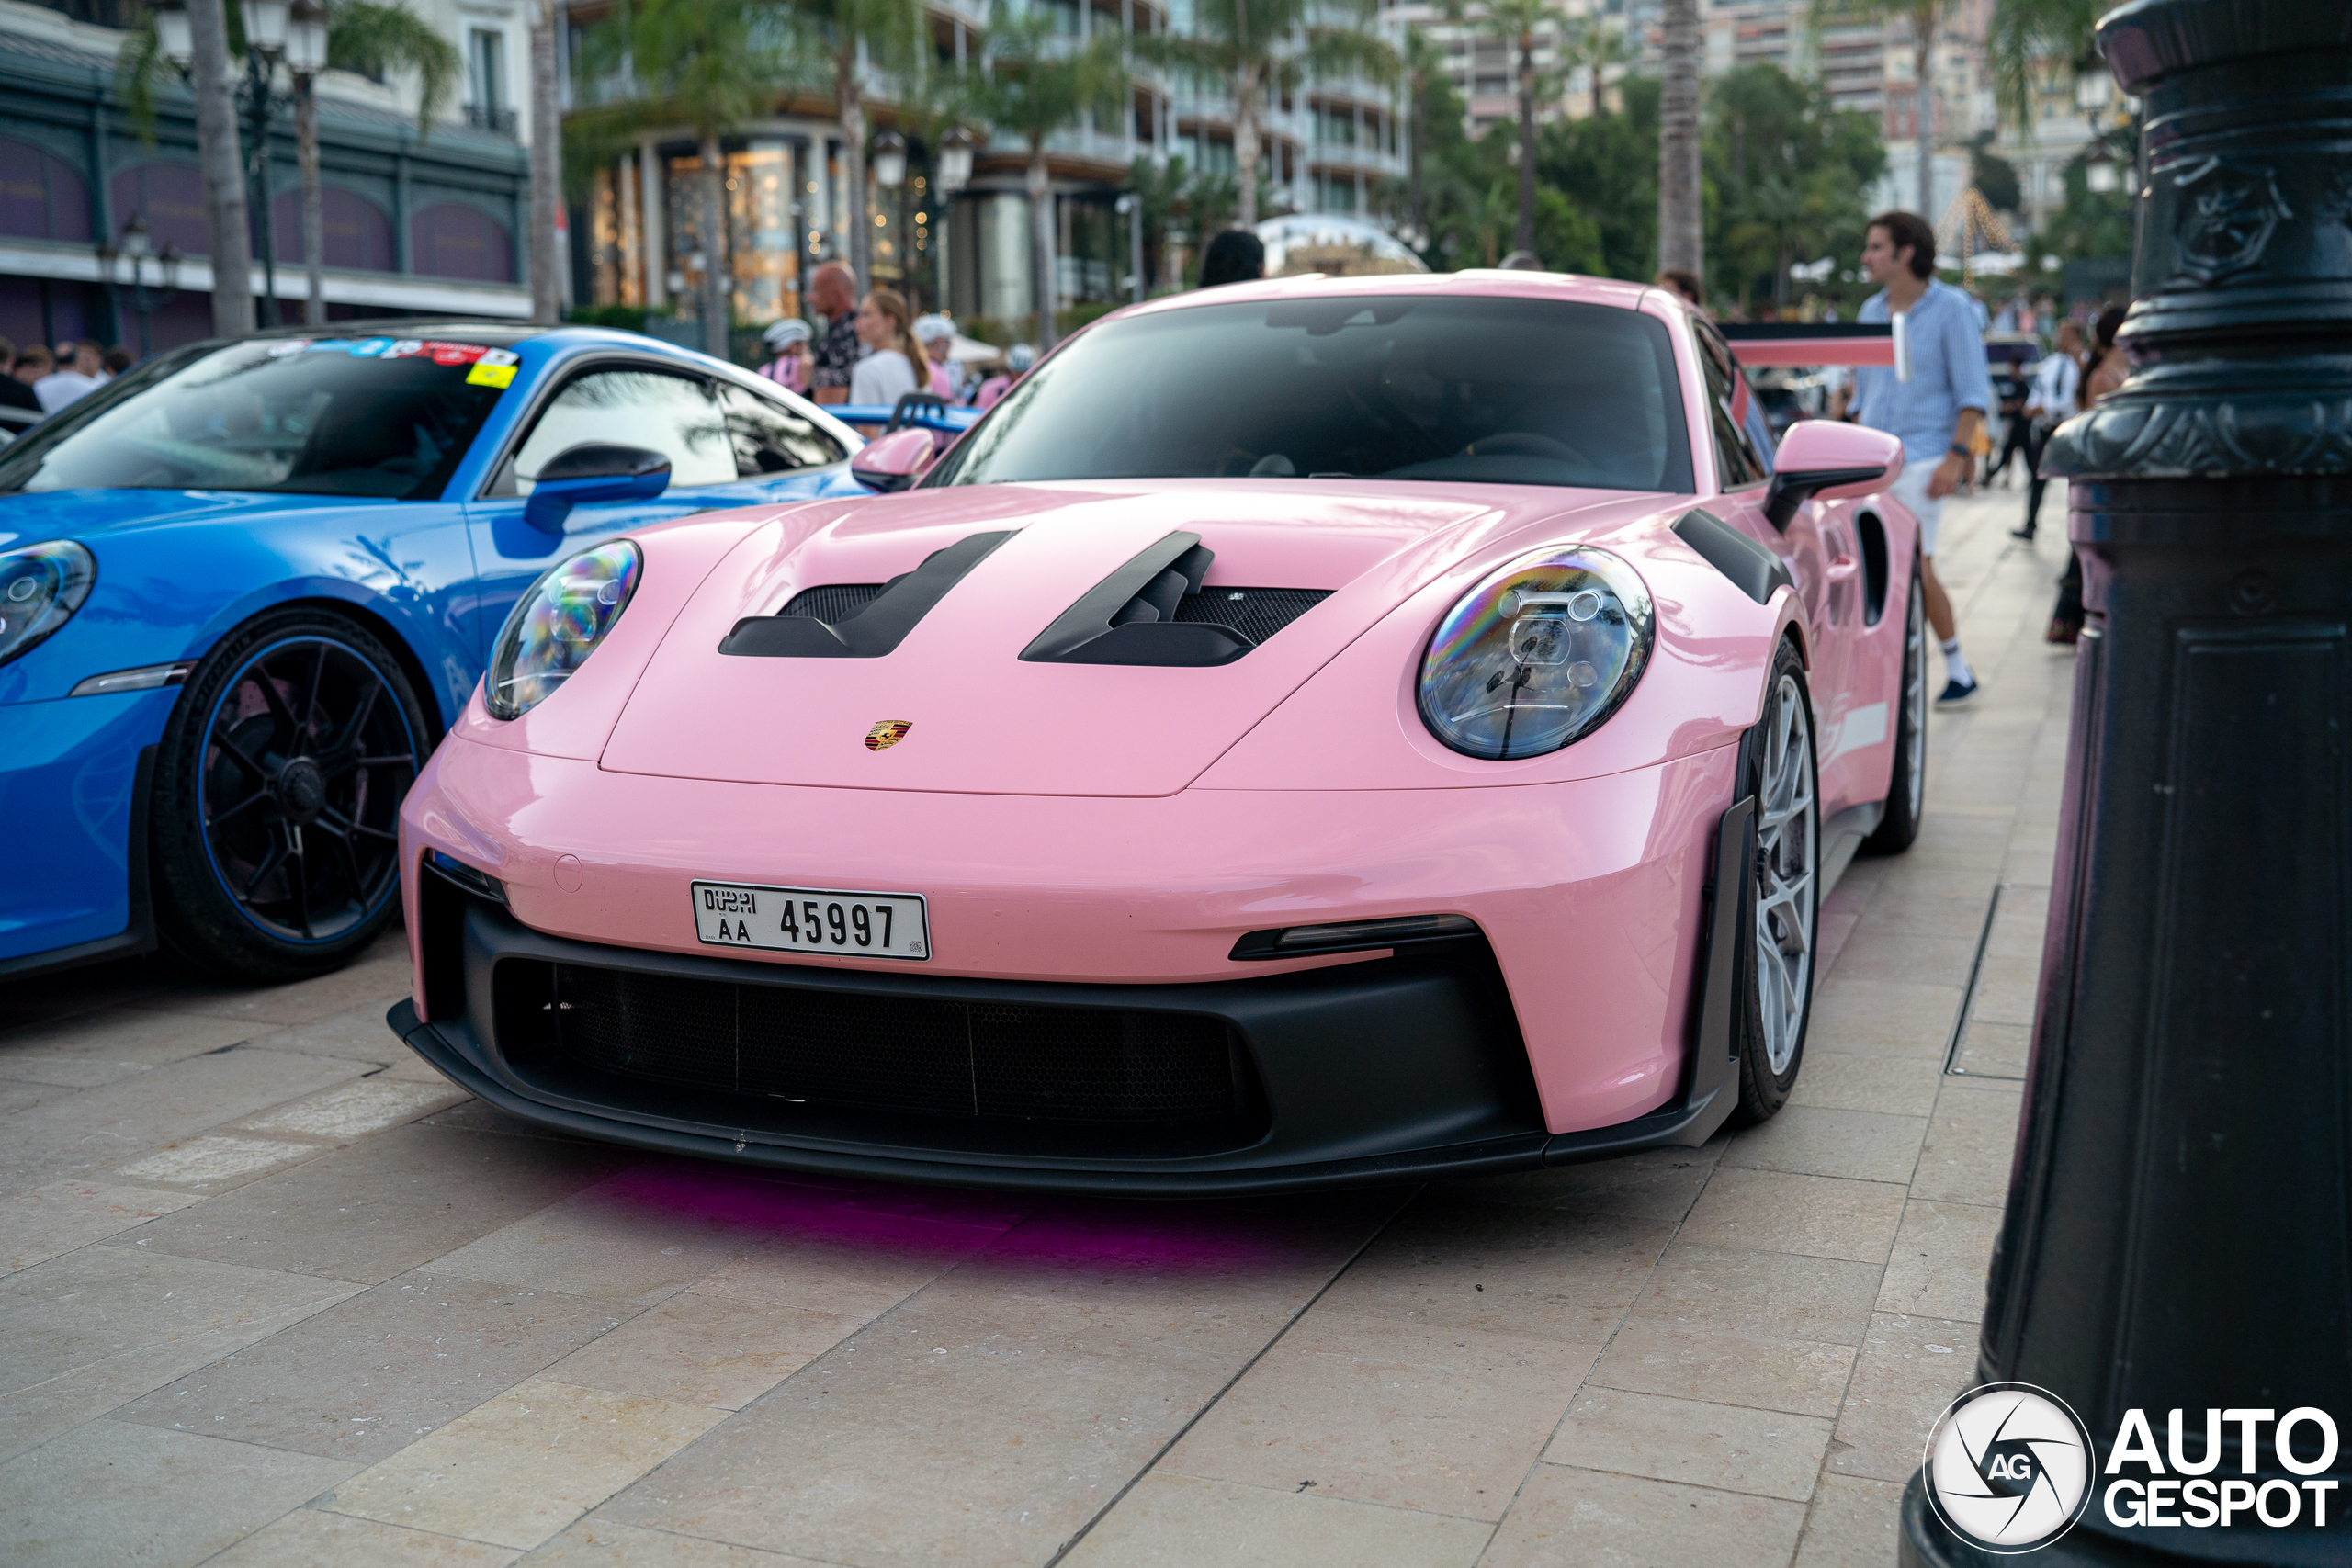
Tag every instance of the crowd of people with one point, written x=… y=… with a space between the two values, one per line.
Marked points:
x=875 y=350
x=43 y=379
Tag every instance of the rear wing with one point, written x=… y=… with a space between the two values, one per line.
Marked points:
x=1762 y=343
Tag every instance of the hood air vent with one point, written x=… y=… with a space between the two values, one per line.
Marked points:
x=857 y=620
x=1154 y=611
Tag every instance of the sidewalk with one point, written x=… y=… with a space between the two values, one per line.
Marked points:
x=271 y=1292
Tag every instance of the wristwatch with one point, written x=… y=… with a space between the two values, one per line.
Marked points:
x=1957 y=450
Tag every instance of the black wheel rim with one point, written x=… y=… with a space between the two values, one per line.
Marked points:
x=306 y=755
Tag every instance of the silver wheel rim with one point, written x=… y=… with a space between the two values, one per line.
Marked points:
x=1914 y=701
x=1787 y=853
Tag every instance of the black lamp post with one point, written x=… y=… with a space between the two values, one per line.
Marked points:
x=2179 y=1233
x=266 y=24
x=138 y=249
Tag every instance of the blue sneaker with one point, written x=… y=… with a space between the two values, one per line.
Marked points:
x=1955 y=692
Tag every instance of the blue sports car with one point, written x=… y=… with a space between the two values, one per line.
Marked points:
x=246 y=587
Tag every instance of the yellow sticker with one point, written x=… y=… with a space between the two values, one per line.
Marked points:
x=490 y=375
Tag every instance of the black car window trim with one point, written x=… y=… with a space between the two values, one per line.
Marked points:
x=1718 y=364
x=767 y=392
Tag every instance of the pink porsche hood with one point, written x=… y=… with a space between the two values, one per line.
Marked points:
x=978 y=718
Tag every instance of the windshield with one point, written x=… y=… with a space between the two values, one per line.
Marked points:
x=381 y=417
x=1484 y=390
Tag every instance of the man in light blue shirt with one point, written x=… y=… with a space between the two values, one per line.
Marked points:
x=1936 y=412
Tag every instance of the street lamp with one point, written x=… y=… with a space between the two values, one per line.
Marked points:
x=2173 y=1236
x=171 y=37
x=950 y=171
x=890 y=160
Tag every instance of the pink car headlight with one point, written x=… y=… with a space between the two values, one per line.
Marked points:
x=1536 y=656
x=557 y=625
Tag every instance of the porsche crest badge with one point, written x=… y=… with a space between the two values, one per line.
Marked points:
x=886 y=733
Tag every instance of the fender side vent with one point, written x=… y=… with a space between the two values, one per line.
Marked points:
x=860 y=628
x=1753 y=570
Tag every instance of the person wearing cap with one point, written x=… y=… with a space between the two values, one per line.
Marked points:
x=1017 y=360
x=937 y=335
x=787 y=341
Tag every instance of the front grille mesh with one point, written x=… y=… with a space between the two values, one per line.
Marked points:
x=871 y=1051
x=1256 y=612
x=834 y=602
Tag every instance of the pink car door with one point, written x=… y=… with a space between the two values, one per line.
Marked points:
x=1817 y=547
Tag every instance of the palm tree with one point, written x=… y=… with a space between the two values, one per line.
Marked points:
x=705 y=64
x=846 y=37
x=1515 y=23
x=2025 y=35
x=370 y=36
x=1681 y=238
x=1925 y=19
x=1263 y=48
x=1031 y=85
x=547 y=168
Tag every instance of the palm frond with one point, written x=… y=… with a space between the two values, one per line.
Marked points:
x=372 y=37
x=2027 y=37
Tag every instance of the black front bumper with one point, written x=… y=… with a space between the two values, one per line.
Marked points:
x=1398 y=1068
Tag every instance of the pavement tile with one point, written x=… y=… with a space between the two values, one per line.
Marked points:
x=345 y=1114
x=357 y=1034
x=519 y=1469
x=1581 y=1519
x=93 y=1048
x=106 y=1494
x=643 y=1232
x=1771 y=1295
x=394 y=1203
x=1177 y=1521
x=599 y=1542
x=1656 y=1184
x=381 y=977
x=1652 y=1355
x=1853 y=1523
x=1994 y=1051
x=1939 y=1261
x=102 y=1128
x=84 y=1333
x=1767 y=1453
x=1909 y=1369
x=1835 y=1081
x=66 y=992
x=2006 y=990
x=1910 y=909
x=64 y=1216
x=1908 y=958
x=2020 y=928
x=216 y=1160
x=1866 y=1146
x=1410 y=1414
x=16 y=1096
x=1950 y=839
x=701 y=1349
x=1560 y=1273
x=1819 y=1216
x=899 y=1450
x=1972 y=1141
x=308 y=1537
x=1881 y=1017
x=375 y=1372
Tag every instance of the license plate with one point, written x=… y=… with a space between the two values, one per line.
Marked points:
x=812 y=920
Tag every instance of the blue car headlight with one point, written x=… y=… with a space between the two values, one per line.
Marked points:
x=557 y=625
x=1538 y=655
x=41 y=587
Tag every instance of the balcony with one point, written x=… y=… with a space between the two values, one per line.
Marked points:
x=496 y=121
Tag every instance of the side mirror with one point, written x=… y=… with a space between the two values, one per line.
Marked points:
x=1825 y=458
x=893 y=462
x=592 y=471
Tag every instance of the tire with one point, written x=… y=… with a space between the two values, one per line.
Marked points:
x=1780 y=766
x=1907 y=788
x=275 y=813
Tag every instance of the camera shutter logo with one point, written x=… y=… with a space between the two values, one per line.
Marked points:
x=2008 y=1467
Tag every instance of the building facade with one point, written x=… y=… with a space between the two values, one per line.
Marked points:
x=416 y=223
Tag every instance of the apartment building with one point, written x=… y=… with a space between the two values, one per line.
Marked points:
x=417 y=221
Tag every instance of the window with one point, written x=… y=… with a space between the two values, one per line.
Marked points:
x=486 y=62
x=630 y=407
x=1429 y=388
x=1727 y=409
x=769 y=438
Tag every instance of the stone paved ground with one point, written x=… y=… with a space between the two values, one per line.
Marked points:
x=272 y=1293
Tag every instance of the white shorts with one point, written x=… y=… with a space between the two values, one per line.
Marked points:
x=1911 y=489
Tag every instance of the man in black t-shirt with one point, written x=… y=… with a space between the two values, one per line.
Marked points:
x=833 y=294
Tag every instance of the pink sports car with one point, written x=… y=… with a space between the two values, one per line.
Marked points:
x=1311 y=731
